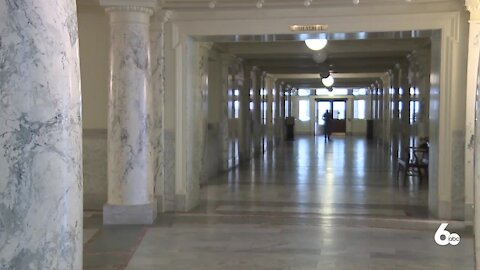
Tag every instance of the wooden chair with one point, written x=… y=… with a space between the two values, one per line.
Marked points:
x=414 y=163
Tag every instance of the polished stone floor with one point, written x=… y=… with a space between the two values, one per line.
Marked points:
x=307 y=205
x=344 y=177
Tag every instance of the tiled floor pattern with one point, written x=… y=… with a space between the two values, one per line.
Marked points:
x=307 y=205
x=246 y=246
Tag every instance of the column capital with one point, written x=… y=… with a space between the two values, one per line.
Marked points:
x=145 y=6
x=473 y=6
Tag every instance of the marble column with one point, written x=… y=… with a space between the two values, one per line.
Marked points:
x=245 y=118
x=473 y=128
x=276 y=117
x=257 y=114
x=130 y=170
x=387 y=109
x=405 y=113
x=395 y=133
x=41 y=201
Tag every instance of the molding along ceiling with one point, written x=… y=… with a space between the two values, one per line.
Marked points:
x=195 y=4
x=247 y=4
x=353 y=63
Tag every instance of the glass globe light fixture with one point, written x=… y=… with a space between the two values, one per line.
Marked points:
x=328 y=82
x=320 y=57
x=316 y=44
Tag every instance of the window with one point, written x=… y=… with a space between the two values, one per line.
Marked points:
x=359 y=109
x=414 y=110
x=304 y=110
x=340 y=91
x=303 y=92
x=236 y=105
x=322 y=92
x=339 y=110
x=359 y=92
x=264 y=112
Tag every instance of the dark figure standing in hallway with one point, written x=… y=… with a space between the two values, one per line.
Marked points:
x=327 y=117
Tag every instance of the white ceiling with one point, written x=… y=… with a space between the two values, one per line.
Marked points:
x=189 y=4
x=355 y=63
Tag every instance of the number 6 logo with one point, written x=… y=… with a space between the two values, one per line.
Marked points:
x=448 y=238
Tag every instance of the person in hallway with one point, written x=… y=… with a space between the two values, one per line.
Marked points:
x=327 y=117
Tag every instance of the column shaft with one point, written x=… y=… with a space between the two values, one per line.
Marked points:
x=40 y=136
x=130 y=172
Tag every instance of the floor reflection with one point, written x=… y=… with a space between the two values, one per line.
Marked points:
x=347 y=176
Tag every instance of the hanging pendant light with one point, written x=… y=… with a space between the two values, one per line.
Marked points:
x=260 y=3
x=212 y=4
x=328 y=82
x=316 y=44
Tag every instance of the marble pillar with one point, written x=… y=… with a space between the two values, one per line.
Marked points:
x=405 y=112
x=276 y=116
x=245 y=118
x=257 y=113
x=130 y=170
x=41 y=201
x=269 y=87
x=163 y=159
x=395 y=122
x=224 y=127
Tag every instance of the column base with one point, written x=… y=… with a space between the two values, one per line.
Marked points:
x=129 y=214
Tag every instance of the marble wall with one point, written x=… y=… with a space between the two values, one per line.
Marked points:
x=157 y=137
x=226 y=78
x=94 y=168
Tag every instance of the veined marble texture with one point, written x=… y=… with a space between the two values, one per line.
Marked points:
x=168 y=197
x=211 y=155
x=94 y=168
x=40 y=136
x=163 y=158
x=197 y=119
x=130 y=174
x=223 y=129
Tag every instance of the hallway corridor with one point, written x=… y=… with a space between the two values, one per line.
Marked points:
x=344 y=177
x=307 y=205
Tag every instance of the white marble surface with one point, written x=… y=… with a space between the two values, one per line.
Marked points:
x=130 y=174
x=157 y=137
x=224 y=124
x=40 y=136
x=196 y=112
x=295 y=247
x=477 y=176
x=94 y=168
x=169 y=169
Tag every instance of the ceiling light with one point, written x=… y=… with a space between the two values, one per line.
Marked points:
x=307 y=3
x=316 y=44
x=324 y=73
x=328 y=82
x=212 y=4
x=356 y=2
x=259 y=3
x=320 y=57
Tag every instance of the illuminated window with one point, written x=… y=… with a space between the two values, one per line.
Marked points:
x=359 y=109
x=414 y=110
x=322 y=92
x=359 y=92
x=304 y=110
x=303 y=92
x=340 y=91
